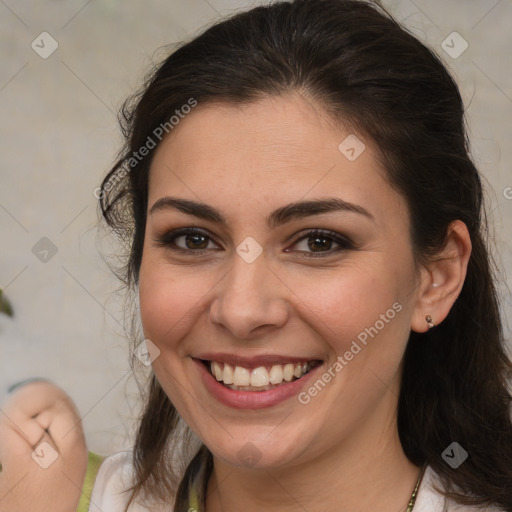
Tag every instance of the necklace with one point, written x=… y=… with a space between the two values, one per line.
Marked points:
x=412 y=501
x=194 y=505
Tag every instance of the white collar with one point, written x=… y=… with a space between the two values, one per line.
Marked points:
x=429 y=500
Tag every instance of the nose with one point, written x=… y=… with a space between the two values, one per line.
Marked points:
x=251 y=300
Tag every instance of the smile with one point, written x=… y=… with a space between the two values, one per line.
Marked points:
x=256 y=381
x=261 y=378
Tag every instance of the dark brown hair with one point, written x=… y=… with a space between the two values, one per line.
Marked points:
x=353 y=60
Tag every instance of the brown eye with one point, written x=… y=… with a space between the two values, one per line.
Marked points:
x=194 y=241
x=190 y=240
x=319 y=243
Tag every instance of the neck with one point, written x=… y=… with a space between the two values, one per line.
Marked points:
x=366 y=472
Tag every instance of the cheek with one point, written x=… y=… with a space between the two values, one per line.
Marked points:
x=345 y=305
x=362 y=319
x=162 y=304
x=170 y=298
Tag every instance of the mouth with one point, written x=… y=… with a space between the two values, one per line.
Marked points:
x=260 y=378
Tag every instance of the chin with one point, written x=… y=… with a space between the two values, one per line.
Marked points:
x=254 y=449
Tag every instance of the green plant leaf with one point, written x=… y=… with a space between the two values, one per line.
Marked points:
x=5 y=306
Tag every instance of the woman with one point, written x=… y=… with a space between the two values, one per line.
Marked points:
x=306 y=236
x=303 y=205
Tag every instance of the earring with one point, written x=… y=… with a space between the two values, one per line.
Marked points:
x=430 y=324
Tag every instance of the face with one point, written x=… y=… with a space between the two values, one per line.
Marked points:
x=235 y=271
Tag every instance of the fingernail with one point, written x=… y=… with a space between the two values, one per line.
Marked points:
x=14 y=387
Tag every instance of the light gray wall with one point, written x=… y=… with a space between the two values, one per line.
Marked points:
x=58 y=136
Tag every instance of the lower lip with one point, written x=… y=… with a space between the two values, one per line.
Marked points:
x=252 y=399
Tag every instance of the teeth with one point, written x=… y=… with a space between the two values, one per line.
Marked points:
x=261 y=377
x=216 y=370
x=288 y=372
x=276 y=374
x=227 y=376
x=241 y=376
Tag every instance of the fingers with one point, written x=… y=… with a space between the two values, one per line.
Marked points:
x=42 y=449
x=24 y=405
x=41 y=408
x=41 y=481
x=33 y=398
x=27 y=429
x=64 y=425
x=12 y=388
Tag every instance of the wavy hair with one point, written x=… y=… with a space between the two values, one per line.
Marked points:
x=358 y=64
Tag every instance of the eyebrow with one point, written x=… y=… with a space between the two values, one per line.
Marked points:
x=278 y=217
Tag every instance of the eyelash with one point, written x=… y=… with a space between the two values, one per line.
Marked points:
x=167 y=240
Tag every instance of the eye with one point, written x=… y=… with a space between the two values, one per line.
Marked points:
x=192 y=240
x=320 y=243
x=315 y=243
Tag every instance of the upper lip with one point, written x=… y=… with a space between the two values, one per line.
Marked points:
x=253 y=361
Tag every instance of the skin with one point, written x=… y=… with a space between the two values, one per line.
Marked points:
x=37 y=413
x=246 y=162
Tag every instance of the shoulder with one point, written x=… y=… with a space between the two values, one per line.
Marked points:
x=113 y=480
x=430 y=500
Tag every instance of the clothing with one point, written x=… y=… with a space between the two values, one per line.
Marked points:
x=93 y=465
x=116 y=472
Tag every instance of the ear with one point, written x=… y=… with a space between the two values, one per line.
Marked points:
x=442 y=278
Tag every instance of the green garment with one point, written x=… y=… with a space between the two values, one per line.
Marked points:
x=93 y=466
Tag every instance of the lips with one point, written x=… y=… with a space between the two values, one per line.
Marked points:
x=254 y=397
x=259 y=373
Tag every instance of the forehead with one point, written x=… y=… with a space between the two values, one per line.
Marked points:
x=285 y=129
x=274 y=150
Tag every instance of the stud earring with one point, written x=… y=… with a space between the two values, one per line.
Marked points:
x=430 y=324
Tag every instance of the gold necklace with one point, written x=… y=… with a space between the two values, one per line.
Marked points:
x=194 y=504
x=412 y=501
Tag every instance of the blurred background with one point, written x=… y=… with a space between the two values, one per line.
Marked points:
x=66 y=67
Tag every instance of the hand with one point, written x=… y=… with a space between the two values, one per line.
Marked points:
x=35 y=414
